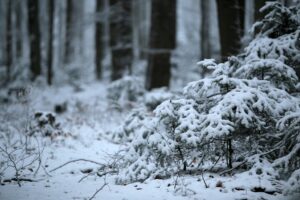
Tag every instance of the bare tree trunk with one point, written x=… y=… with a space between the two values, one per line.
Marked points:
x=229 y=152
x=143 y=14
x=120 y=37
x=99 y=45
x=34 y=37
x=68 y=45
x=50 y=41
x=80 y=25
x=258 y=4
x=162 y=42
x=241 y=18
x=8 y=40
x=19 y=15
x=231 y=26
x=3 y=9
x=205 y=25
x=136 y=20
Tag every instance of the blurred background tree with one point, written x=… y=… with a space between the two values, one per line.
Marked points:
x=63 y=41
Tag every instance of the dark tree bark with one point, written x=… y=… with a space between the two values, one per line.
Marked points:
x=50 y=41
x=19 y=15
x=229 y=153
x=162 y=42
x=68 y=46
x=231 y=26
x=34 y=35
x=74 y=30
x=8 y=40
x=99 y=45
x=120 y=37
x=205 y=24
x=258 y=4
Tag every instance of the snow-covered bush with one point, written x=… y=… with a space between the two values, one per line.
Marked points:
x=213 y=109
x=156 y=96
x=278 y=35
x=293 y=184
x=18 y=153
x=238 y=101
x=15 y=94
x=44 y=124
x=126 y=89
x=279 y=20
x=289 y=145
x=127 y=131
x=130 y=127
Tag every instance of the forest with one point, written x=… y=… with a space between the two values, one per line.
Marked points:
x=150 y=99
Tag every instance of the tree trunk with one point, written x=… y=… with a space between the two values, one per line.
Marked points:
x=34 y=35
x=8 y=40
x=120 y=37
x=162 y=42
x=19 y=15
x=205 y=24
x=144 y=26
x=258 y=4
x=68 y=40
x=50 y=41
x=231 y=26
x=99 y=45
x=229 y=153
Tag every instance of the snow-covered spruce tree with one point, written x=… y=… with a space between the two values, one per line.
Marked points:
x=156 y=96
x=218 y=108
x=130 y=126
x=278 y=35
x=125 y=90
x=289 y=150
x=240 y=100
x=279 y=20
x=250 y=106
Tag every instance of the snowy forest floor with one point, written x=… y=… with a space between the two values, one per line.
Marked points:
x=86 y=120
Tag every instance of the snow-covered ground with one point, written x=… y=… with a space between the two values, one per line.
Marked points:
x=86 y=120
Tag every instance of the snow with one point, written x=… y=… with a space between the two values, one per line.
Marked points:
x=132 y=143
x=86 y=141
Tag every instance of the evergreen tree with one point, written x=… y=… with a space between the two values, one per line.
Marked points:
x=247 y=98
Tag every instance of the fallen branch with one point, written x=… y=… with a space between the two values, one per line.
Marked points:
x=105 y=173
x=77 y=160
x=18 y=180
x=231 y=169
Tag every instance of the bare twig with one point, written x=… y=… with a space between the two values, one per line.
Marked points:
x=206 y=186
x=215 y=163
x=77 y=160
x=14 y=164
x=175 y=184
x=84 y=177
